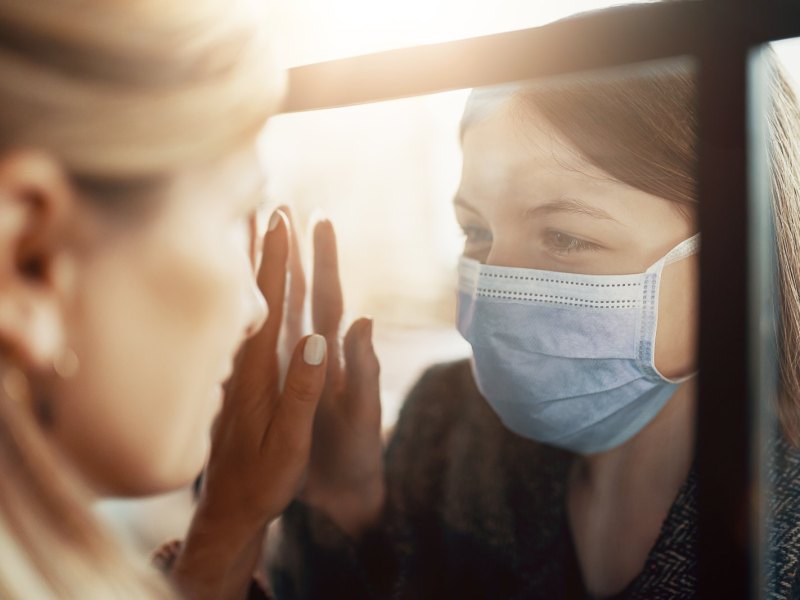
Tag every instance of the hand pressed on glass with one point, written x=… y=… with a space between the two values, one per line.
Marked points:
x=345 y=471
x=260 y=441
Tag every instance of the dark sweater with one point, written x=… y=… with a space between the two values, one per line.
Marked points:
x=476 y=511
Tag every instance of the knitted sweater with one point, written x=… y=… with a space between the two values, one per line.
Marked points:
x=475 y=511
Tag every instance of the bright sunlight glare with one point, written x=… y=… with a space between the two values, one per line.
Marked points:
x=323 y=30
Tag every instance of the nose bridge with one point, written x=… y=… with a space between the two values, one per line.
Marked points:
x=502 y=254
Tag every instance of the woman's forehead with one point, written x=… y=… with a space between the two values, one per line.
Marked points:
x=513 y=150
x=517 y=162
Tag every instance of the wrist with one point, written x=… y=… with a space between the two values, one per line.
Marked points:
x=353 y=511
x=218 y=552
x=215 y=510
x=215 y=533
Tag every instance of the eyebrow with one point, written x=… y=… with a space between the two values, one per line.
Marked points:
x=562 y=205
x=568 y=205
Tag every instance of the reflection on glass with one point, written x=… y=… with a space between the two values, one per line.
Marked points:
x=384 y=175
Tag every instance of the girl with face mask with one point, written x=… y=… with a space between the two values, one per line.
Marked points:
x=557 y=461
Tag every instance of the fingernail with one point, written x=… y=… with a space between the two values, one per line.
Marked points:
x=274 y=220
x=314 y=350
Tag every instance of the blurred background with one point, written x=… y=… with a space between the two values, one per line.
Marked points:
x=385 y=174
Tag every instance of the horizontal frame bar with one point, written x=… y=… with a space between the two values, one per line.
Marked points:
x=606 y=38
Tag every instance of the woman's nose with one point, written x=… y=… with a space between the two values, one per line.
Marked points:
x=256 y=308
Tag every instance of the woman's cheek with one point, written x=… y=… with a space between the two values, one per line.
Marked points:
x=160 y=323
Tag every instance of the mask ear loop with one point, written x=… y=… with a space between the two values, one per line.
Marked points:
x=683 y=250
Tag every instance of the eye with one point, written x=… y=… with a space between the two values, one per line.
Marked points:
x=476 y=235
x=561 y=243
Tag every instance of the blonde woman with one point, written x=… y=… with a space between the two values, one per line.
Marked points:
x=128 y=189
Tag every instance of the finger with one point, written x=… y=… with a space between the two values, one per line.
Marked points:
x=288 y=437
x=327 y=303
x=259 y=358
x=361 y=400
x=296 y=295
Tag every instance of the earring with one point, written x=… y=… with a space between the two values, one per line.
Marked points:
x=66 y=364
x=16 y=386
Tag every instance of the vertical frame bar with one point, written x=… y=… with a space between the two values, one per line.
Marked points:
x=738 y=361
x=764 y=308
x=725 y=379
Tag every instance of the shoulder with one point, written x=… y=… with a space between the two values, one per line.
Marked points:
x=447 y=382
x=445 y=398
x=784 y=516
x=435 y=402
x=446 y=379
x=435 y=430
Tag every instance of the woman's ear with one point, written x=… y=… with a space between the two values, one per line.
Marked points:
x=37 y=204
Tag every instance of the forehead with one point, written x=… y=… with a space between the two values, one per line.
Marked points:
x=514 y=148
x=514 y=160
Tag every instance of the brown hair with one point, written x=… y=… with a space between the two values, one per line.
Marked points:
x=123 y=94
x=637 y=124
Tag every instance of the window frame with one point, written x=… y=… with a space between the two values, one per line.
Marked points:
x=737 y=360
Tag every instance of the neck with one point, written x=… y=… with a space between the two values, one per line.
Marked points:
x=659 y=455
x=620 y=498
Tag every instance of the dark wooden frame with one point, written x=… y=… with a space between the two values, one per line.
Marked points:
x=737 y=330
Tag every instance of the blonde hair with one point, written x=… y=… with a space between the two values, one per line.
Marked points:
x=50 y=544
x=120 y=93
x=133 y=89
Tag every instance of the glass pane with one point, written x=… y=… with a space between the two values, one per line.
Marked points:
x=383 y=173
x=550 y=453
x=775 y=172
x=569 y=275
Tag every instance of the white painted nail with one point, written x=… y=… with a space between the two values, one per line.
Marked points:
x=274 y=220
x=314 y=350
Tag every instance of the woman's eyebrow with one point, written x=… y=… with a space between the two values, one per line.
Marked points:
x=568 y=205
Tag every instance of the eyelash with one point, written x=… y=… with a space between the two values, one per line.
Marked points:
x=556 y=242
x=476 y=235
x=562 y=244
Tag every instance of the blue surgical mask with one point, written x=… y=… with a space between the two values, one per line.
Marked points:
x=567 y=359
